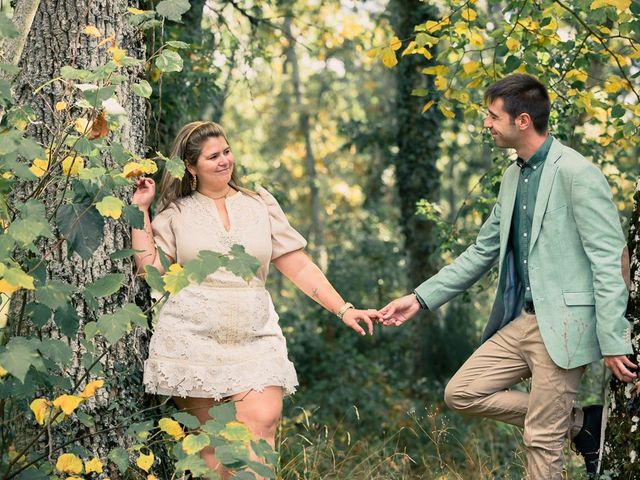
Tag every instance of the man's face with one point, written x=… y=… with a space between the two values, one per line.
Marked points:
x=502 y=127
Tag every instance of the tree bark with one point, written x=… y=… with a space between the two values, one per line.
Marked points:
x=621 y=453
x=56 y=40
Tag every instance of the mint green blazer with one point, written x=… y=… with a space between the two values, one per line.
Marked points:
x=575 y=262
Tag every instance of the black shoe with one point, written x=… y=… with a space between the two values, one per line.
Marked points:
x=587 y=441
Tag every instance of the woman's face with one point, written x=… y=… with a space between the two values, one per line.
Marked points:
x=215 y=164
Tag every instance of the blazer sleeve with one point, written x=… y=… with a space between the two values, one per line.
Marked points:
x=284 y=238
x=163 y=231
x=603 y=242
x=467 y=268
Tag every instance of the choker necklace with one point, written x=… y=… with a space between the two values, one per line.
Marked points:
x=222 y=196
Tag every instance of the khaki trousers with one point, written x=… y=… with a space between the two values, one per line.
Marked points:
x=547 y=413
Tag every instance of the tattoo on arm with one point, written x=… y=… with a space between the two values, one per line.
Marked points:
x=315 y=292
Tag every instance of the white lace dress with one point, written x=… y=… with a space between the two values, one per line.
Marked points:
x=221 y=337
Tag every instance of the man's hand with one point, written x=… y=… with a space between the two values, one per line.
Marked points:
x=400 y=310
x=620 y=365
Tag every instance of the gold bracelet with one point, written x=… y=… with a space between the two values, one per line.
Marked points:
x=344 y=309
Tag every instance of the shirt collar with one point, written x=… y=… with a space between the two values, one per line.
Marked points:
x=539 y=157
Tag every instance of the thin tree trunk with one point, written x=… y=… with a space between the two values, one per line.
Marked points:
x=621 y=454
x=317 y=230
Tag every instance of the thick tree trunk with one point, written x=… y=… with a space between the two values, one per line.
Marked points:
x=56 y=40
x=418 y=137
x=621 y=455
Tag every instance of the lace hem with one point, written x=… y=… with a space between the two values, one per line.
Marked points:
x=166 y=377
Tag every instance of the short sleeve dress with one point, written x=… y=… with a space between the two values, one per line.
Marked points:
x=221 y=337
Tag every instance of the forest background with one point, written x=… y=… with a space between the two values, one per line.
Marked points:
x=364 y=119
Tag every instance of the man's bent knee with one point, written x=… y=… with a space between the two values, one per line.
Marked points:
x=457 y=398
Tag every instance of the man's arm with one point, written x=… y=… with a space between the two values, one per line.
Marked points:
x=602 y=239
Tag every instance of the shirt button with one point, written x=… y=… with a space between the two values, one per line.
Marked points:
x=535 y=168
x=526 y=180
x=524 y=207
x=528 y=288
x=525 y=262
x=525 y=234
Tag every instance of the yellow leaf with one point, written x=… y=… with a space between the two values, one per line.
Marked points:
x=469 y=14
x=427 y=106
x=92 y=30
x=91 y=387
x=577 y=75
x=388 y=57
x=395 y=43
x=135 y=169
x=72 y=165
x=174 y=279
x=39 y=167
x=82 y=125
x=194 y=443
x=110 y=206
x=61 y=106
x=171 y=427
x=411 y=48
x=105 y=40
x=67 y=403
x=41 y=408
x=3 y=372
x=73 y=478
x=6 y=287
x=117 y=54
x=373 y=52
x=512 y=44
x=440 y=82
x=69 y=463
x=135 y=11
x=152 y=477
x=432 y=26
x=476 y=39
x=471 y=66
x=436 y=70
x=446 y=112
x=145 y=461
x=236 y=432
x=619 y=4
x=614 y=84
x=93 y=465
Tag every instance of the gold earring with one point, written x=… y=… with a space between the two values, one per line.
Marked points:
x=194 y=182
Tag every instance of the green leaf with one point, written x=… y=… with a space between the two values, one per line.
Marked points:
x=54 y=294
x=419 y=92
x=32 y=474
x=85 y=419
x=177 y=44
x=55 y=350
x=175 y=167
x=18 y=356
x=173 y=9
x=70 y=73
x=133 y=216
x=204 y=264
x=142 y=89
x=124 y=253
x=7 y=28
x=263 y=450
x=67 y=320
x=82 y=226
x=169 y=61
x=224 y=413
x=511 y=64
x=32 y=224
x=119 y=154
x=236 y=432
x=194 y=463
x=38 y=313
x=261 y=469
x=243 y=475
x=617 y=111
x=99 y=95
x=194 y=443
x=242 y=264
x=232 y=455
x=186 y=419
x=114 y=325
x=120 y=457
x=107 y=285
x=153 y=278
x=10 y=68
x=91 y=329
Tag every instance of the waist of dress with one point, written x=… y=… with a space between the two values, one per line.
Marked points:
x=228 y=285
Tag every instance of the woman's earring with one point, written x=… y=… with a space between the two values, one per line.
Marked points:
x=194 y=182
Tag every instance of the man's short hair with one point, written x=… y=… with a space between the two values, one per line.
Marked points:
x=522 y=93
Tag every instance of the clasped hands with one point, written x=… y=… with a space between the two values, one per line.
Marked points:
x=393 y=314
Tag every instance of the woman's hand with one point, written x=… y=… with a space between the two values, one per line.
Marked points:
x=144 y=194
x=352 y=317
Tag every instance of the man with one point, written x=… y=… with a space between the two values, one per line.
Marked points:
x=561 y=295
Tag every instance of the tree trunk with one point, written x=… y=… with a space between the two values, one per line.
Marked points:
x=621 y=455
x=418 y=137
x=56 y=39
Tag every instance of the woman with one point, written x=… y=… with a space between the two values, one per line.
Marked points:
x=220 y=340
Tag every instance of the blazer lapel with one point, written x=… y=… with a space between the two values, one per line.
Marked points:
x=509 y=188
x=544 y=189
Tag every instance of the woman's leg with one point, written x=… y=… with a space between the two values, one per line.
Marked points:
x=260 y=412
x=199 y=407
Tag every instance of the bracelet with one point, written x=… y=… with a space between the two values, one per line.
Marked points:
x=344 y=309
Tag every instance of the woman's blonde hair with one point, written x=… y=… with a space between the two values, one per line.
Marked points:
x=187 y=146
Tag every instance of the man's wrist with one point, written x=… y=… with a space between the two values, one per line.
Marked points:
x=421 y=302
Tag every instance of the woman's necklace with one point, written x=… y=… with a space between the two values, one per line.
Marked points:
x=222 y=196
